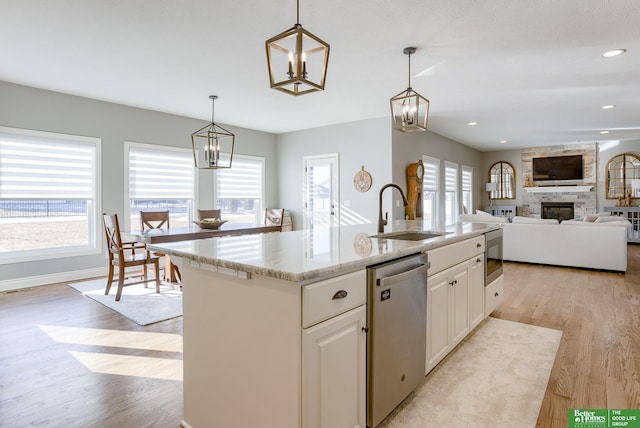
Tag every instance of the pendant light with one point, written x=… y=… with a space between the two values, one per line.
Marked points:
x=409 y=110
x=212 y=145
x=297 y=60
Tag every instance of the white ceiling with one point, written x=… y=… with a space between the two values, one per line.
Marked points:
x=528 y=71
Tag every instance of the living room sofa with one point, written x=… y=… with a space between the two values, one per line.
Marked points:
x=596 y=243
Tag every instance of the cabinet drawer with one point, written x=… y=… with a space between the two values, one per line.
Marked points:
x=450 y=255
x=494 y=295
x=325 y=299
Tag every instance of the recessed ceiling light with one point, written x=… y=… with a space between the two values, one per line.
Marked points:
x=604 y=132
x=614 y=52
x=472 y=123
x=503 y=141
x=607 y=107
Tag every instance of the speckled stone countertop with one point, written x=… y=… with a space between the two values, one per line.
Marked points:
x=307 y=255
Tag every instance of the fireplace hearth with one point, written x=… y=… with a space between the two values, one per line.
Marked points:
x=558 y=210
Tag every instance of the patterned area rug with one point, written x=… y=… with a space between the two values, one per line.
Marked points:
x=495 y=378
x=141 y=305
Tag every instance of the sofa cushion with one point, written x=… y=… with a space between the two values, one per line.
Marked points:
x=520 y=219
x=480 y=212
x=593 y=217
x=614 y=219
x=482 y=218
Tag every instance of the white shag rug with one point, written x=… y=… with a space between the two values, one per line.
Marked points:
x=495 y=378
x=141 y=305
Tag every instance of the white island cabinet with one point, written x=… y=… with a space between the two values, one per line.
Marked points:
x=455 y=296
x=274 y=325
x=254 y=344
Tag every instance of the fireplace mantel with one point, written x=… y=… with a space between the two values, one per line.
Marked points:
x=558 y=189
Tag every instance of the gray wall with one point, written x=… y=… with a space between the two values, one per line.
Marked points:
x=366 y=142
x=409 y=147
x=36 y=109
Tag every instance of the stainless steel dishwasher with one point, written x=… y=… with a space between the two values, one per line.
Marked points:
x=396 y=345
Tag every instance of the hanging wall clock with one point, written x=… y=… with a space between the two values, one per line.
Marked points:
x=362 y=180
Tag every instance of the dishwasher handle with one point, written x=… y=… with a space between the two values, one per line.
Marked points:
x=393 y=279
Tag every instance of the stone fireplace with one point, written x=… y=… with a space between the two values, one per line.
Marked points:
x=557 y=210
x=584 y=202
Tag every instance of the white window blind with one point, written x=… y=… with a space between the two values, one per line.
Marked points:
x=37 y=168
x=242 y=181
x=450 y=176
x=160 y=174
x=467 y=188
x=431 y=172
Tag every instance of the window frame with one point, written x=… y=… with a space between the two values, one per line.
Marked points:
x=435 y=162
x=467 y=170
x=454 y=198
x=127 y=225
x=95 y=238
x=261 y=202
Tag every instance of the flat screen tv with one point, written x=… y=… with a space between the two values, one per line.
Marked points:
x=557 y=168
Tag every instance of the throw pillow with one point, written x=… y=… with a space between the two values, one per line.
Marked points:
x=482 y=212
x=595 y=216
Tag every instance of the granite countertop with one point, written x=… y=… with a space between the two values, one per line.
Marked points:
x=306 y=255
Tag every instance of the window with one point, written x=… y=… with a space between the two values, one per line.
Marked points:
x=430 y=189
x=49 y=193
x=621 y=170
x=160 y=178
x=451 y=192
x=467 y=189
x=240 y=190
x=503 y=174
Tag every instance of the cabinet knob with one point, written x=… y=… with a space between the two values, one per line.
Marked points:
x=365 y=329
x=339 y=295
x=478 y=260
x=496 y=295
x=478 y=245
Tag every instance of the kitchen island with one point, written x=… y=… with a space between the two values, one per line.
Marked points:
x=275 y=324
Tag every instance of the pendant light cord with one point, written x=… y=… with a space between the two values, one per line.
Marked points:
x=298 y=12
x=409 y=70
x=213 y=105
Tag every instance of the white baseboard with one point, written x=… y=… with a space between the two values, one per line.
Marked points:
x=34 y=281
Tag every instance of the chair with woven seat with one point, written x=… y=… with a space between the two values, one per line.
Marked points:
x=202 y=214
x=160 y=220
x=273 y=217
x=125 y=255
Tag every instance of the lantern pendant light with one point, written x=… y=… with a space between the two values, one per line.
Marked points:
x=409 y=110
x=297 y=60
x=212 y=145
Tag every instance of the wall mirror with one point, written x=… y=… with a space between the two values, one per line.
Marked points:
x=504 y=175
x=621 y=170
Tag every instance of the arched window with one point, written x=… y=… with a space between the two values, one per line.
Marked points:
x=503 y=174
x=621 y=170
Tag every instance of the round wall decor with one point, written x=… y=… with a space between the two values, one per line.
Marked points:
x=362 y=180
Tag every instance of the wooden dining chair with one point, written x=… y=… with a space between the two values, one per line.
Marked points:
x=202 y=214
x=154 y=220
x=160 y=220
x=125 y=255
x=273 y=217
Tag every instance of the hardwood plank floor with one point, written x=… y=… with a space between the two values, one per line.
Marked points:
x=598 y=361
x=44 y=383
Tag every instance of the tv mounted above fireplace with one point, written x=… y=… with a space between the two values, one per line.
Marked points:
x=553 y=168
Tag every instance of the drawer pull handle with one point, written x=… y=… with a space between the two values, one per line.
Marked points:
x=496 y=295
x=339 y=295
x=478 y=260
x=478 y=245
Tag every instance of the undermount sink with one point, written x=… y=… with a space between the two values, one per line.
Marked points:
x=409 y=236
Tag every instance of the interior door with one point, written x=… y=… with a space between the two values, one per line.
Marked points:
x=321 y=208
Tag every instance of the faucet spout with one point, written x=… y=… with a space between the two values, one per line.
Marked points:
x=382 y=222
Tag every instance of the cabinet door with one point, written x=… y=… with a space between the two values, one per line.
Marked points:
x=437 y=318
x=334 y=372
x=476 y=290
x=459 y=298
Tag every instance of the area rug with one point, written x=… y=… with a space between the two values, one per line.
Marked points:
x=141 y=305
x=495 y=378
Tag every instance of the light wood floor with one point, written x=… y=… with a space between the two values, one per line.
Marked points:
x=45 y=381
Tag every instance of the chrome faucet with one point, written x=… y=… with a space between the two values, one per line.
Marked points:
x=383 y=222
